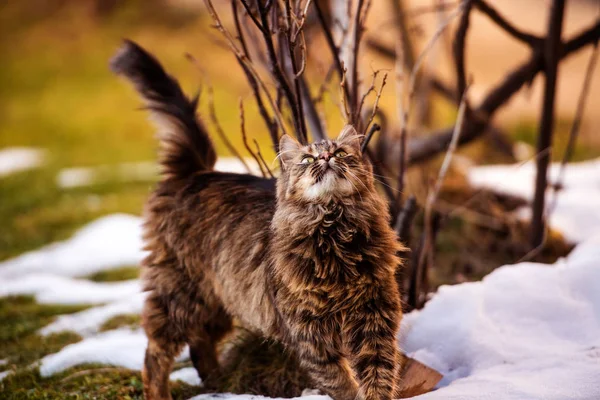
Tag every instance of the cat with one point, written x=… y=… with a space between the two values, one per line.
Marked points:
x=307 y=259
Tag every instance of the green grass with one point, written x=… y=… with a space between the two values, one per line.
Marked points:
x=20 y=318
x=57 y=93
x=90 y=381
x=117 y=274
x=120 y=321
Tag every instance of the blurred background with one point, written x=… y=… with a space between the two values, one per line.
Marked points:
x=58 y=97
x=75 y=144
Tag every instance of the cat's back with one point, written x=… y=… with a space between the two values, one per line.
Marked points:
x=210 y=217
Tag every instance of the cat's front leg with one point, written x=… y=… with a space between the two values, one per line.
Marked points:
x=317 y=343
x=370 y=333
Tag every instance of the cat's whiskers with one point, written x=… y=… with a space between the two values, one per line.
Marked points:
x=378 y=181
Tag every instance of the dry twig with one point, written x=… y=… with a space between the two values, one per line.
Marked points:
x=245 y=139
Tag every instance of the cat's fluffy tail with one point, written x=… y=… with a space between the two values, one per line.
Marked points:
x=185 y=147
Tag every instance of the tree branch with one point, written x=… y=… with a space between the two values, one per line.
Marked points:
x=527 y=38
x=546 y=129
x=476 y=122
x=459 y=48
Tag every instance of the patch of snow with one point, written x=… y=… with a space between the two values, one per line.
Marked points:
x=88 y=322
x=4 y=374
x=15 y=159
x=527 y=331
x=575 y=213
x=52 y=289
x=107 y=243
x=120 y=347
x=188 y=375
x=145 y=171
x=126 y=172
x=227 y=396
x=310 y=392
x=233 y=164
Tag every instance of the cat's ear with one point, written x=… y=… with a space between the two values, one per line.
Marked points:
x=349 y=136
x=287 y=149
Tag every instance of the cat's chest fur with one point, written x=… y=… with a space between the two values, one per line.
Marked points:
x=326 y=252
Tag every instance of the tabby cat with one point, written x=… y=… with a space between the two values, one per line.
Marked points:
x=307 y=259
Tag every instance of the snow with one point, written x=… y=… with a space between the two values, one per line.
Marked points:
x=128 y=172
x=87 y=322
x=222 y=396
x=52 y=289
x=109 y=242
x=575 y=212
x=527 y=331
x=4 y=374
x=121 y=347
x=16 y=159
x=188 y=375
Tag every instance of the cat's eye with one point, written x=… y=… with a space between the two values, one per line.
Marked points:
x=308 y=160
x=341 y=153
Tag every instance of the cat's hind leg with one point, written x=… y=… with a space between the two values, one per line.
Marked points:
x=165 y=342
x=210 y=326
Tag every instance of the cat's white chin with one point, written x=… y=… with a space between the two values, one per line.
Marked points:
x=329 y=185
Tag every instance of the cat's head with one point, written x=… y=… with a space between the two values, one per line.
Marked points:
x=324 y=171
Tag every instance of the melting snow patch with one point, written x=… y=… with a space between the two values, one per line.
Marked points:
x=4 y=374
x=52 y=289
x=126 y=172
x=107 y=243
x=121 y=347
x=575 y=213
x=188 y=375
x=528 y=331
x=223 y=396
x=15 y=159
x=88 y=322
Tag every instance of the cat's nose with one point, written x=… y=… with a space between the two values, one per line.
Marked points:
x=325 y=156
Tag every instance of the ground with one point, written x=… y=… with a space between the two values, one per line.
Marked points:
x=57 y=96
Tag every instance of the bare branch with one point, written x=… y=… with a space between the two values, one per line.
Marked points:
x=546 y=129
x=219 y=129
x=429 y=46
x=368 y=92
x=249 y=12
x=365 y=144
x=262 y=160
x=436 y=143
x=403 y=117
x=405 y=219
x=297 y=73
x=527 y=38
x=245 y=139
x=376 y=104
x=312 y=116
x=335 y=51
x=271 y=125
x=278 y=74
x=245 y=63
x=428 y=237
x=574 y=133
x=358 y=30
x=459 y=47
